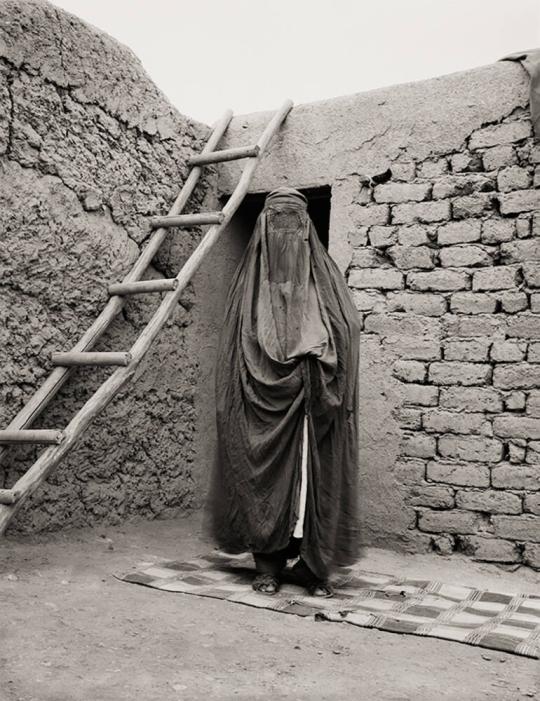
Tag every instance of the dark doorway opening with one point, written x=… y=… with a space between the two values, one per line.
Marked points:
x=318 y=199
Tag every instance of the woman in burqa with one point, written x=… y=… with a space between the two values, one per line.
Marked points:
x=284 y=483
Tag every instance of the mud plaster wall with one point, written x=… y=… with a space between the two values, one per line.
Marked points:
x=443 y=261
x=88 y=149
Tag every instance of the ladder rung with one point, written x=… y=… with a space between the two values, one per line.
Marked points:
x=31 y=436
x=230 y=154
x=188 y=219
x=9 y=496
x=133 y=288
x=71 y=358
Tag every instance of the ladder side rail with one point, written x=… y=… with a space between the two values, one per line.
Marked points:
x=54 y=382
x=46 y=462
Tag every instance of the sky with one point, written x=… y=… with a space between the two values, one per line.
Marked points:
x=249 y=55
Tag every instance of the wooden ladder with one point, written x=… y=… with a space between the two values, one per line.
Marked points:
x=61 y=441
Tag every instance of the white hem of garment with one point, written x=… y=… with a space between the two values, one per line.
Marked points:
x=299 y=527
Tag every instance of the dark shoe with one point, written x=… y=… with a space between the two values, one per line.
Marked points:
x=314 y=587
x=266 y=584
x=321 y=589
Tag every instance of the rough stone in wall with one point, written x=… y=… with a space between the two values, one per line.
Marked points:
x=89 y=148
x=455 y=258
x=443 y=260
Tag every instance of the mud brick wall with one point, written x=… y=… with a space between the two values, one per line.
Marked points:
x=89 y=148
x=435 y=223
x=446 y=262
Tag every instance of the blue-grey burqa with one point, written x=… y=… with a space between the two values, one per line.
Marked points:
x=287 y=377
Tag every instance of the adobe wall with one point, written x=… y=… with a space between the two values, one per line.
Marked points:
x=89 y=148
x=443 y=261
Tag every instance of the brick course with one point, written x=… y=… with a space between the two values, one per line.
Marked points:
x=500 y=134
x=438 y=280
x=401 y=192
x=472 y=303
x=459 y=256
x=462 y=474
x=500 y=278
x=459 y=232
x=471 y=399
x=458 y=373
x=490 y=549
x=421 y=212
x=470 y=448
x=376 y=278
x=491 y=501
x=520 y=201
x=498 y=230
x=516 y=476
x=517 y=527
x=453 y=521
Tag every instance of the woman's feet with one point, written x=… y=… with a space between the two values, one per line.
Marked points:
x=266 y=584
x=269 y=567
x=321 y=588
x=314 y=586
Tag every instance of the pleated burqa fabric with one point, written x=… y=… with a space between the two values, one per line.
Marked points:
x=289 y=347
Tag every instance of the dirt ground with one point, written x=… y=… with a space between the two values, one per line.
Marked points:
x=70 y=631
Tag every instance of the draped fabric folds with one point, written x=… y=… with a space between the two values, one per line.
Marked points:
x=289 y=348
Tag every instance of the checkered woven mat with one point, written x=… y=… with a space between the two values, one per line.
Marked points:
x=507 y=622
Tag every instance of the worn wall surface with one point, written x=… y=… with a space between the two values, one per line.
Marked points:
x=88 y=149
x=434 y=223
